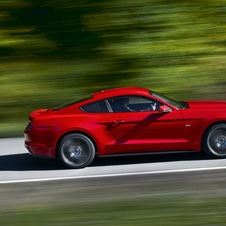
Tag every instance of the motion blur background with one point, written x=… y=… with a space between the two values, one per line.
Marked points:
x=53 y=51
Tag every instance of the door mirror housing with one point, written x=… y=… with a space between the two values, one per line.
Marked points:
x=164 y=108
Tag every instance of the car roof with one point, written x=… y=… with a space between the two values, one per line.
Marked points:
x=120 y=92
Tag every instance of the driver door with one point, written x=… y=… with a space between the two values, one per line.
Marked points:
x=144 y=128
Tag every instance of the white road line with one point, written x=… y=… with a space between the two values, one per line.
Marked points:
x=113 y=175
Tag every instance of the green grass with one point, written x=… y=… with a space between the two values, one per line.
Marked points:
x=171 y=199
x=157 y=210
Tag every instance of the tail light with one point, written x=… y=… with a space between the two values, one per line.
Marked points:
x=29 y=126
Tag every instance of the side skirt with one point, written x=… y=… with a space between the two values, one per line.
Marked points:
x=148 y=153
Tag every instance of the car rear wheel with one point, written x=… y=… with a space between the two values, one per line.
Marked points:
x=215 y=141
x=76 y=150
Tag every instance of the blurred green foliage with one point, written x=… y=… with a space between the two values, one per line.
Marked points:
x=54 y=51
x=161 y=200
x=143 y=211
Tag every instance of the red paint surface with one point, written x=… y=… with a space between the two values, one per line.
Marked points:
x=180 y=129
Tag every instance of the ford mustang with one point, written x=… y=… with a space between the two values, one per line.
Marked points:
x=126 y=120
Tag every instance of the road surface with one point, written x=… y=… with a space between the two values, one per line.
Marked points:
x=17 y=165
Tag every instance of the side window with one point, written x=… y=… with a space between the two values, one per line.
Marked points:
x=96 y=107
x=133 y=104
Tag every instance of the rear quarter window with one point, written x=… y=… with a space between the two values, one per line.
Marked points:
x=96 y=107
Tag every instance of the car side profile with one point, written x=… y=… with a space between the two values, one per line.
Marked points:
x=126 y=120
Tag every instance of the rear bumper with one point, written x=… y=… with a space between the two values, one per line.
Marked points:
x=39 y=141
x=39 y=150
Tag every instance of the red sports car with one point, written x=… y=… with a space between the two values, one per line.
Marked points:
x=126 y=120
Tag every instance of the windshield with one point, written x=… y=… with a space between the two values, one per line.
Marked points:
x=72 y=103
x=167 y=100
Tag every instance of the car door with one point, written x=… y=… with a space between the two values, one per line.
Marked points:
x=139 y=126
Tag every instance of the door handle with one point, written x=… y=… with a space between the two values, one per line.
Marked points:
x=118 y=121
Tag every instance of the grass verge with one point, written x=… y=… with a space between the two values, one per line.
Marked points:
x=183 y=200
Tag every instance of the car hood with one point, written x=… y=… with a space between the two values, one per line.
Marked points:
x=206 y=104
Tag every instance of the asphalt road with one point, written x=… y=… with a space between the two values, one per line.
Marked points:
x=17 y=165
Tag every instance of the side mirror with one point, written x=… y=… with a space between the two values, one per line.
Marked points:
x=164 y=108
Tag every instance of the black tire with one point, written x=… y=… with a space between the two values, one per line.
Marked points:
x=76 y=150
x=214 y=141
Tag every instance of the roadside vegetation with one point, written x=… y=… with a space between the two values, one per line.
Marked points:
x=180 y=199
x=157 y=211
x=55 y=51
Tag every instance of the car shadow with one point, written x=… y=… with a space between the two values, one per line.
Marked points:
x=26 y=162
x=148 y=158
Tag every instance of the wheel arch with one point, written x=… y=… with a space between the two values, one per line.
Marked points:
x=75 y=131
x=207 y=129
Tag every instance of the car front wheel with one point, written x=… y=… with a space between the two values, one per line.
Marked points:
x=76 y=150
x=214 y=143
